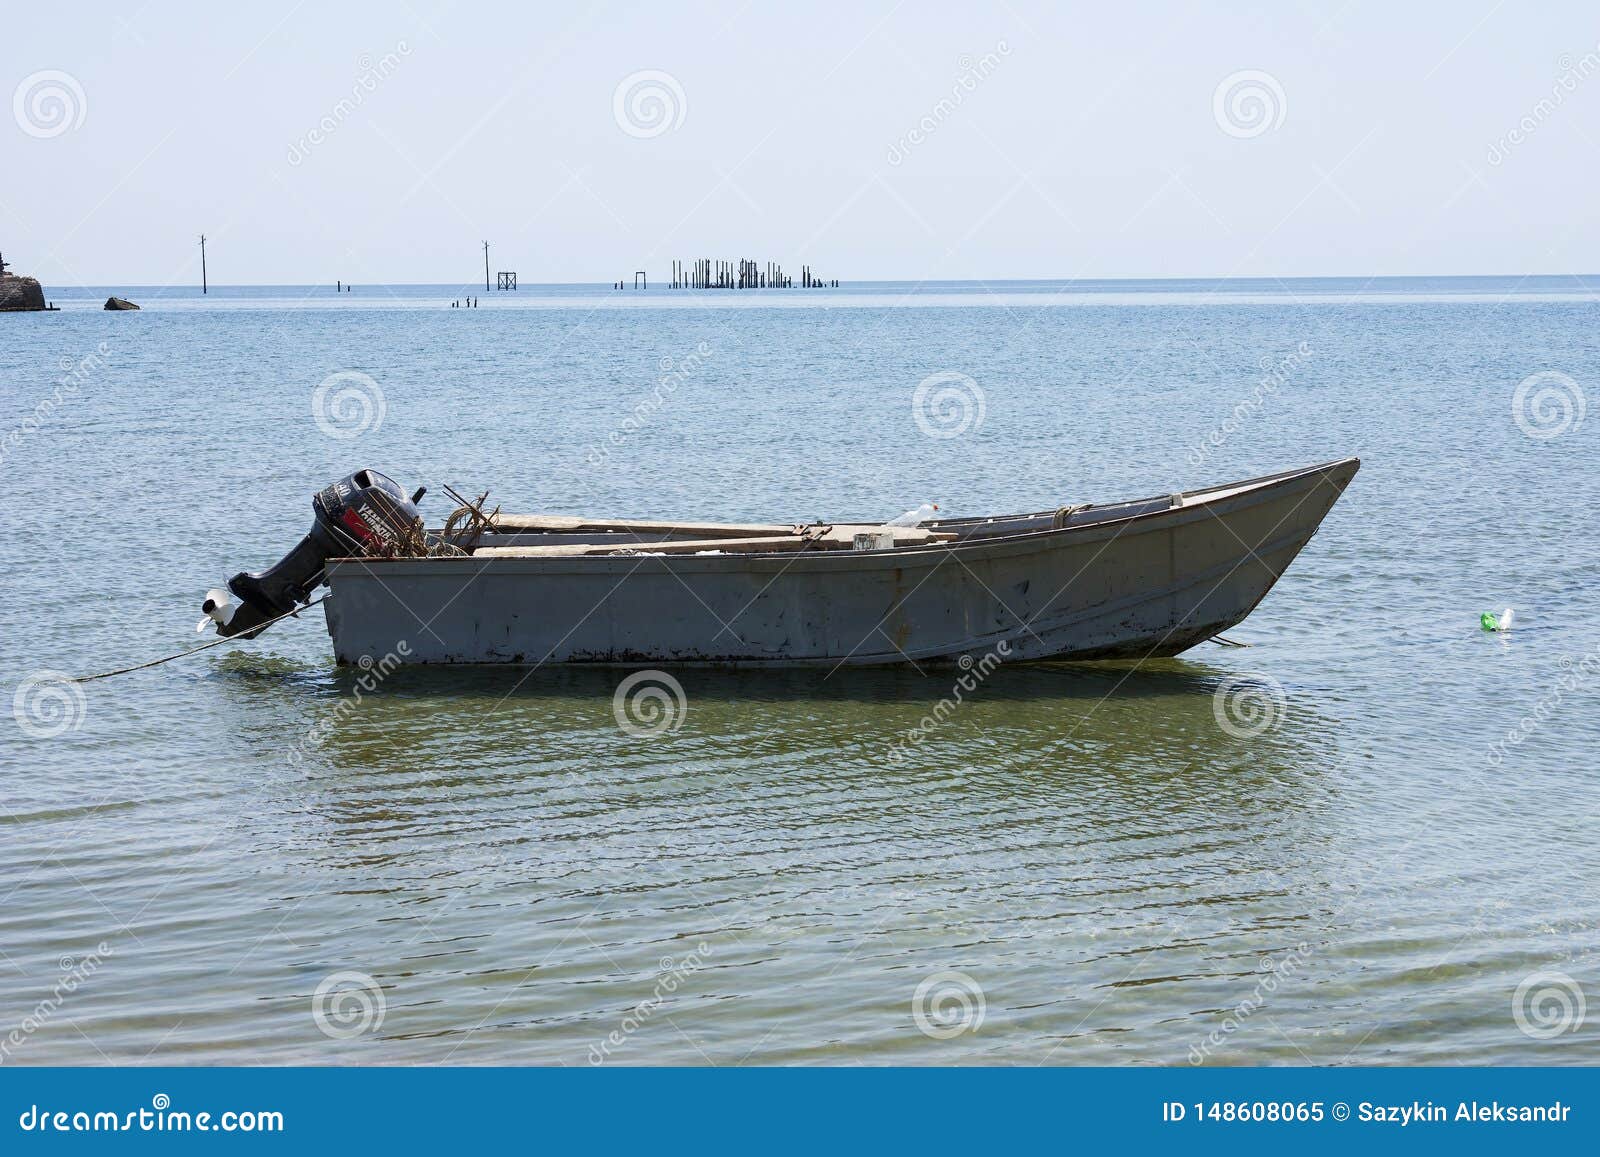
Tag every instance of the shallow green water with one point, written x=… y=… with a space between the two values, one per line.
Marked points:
x=1080 y=866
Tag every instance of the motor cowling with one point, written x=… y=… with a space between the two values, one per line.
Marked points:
x=362 y=515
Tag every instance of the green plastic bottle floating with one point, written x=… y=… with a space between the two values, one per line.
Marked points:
x=1489 y=621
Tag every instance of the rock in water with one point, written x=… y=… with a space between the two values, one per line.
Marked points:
x=119 y=303
x=20 y=294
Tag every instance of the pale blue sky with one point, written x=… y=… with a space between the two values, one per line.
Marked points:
x=1092 y=146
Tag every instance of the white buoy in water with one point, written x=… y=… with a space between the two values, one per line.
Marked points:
x=219 y=607
x=1503 y=623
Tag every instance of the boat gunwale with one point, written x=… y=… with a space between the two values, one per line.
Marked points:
x=1190 y=497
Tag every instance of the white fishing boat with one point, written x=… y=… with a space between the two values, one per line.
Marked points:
x=1140 y=579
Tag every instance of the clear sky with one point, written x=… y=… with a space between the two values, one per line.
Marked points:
x=876 y=140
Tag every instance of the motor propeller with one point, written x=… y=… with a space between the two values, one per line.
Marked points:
x=218 y=607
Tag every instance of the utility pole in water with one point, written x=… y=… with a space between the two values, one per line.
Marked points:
x=485 y=265
x=204 y=288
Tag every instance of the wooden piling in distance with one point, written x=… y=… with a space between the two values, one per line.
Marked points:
x=735 y=273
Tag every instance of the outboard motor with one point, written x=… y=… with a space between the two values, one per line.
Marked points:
x=360 y=516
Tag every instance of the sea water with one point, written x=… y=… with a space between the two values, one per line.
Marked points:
x=1369 y=837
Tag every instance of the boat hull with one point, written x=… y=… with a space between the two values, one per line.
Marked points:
x=1141 y=580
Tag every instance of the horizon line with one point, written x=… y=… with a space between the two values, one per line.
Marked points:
x=843 y=284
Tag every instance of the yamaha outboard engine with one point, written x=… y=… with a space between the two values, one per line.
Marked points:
x=363 y=515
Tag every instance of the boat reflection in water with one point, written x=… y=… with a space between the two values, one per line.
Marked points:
x=1068 y=820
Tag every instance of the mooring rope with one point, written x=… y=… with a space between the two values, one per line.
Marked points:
x=195 y=650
